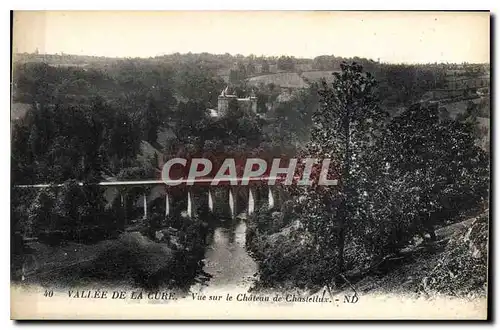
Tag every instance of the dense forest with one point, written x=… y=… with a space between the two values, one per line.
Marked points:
x=401 y=175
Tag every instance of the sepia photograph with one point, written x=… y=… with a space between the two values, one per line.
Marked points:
x=249 y=165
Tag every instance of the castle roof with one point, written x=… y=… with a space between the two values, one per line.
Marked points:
x=226 y=92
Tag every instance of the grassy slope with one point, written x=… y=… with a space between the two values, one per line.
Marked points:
x=407 y=272
x=291 y=79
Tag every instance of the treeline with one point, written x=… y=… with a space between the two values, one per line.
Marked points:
x=127 y=83
x=55 y=143
x=199 y=77
x=250 y=63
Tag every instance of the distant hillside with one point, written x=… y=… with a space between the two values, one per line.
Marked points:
x=318 y=75
x=480 y=105
x=292 y=80
x=284 y=80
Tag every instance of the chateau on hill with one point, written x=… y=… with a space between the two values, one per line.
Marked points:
x=248 y=103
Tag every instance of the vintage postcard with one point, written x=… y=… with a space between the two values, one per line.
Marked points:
x=250 y=165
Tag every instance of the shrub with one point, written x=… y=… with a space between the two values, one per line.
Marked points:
x=133 y=257
x=462 y=269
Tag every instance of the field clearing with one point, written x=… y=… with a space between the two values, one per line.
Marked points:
x=284 y=80
x=318 y=75
x=460 y=107
x=456 y=108
x=292 y=79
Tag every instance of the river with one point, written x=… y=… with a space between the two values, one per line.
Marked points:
x=227 y=261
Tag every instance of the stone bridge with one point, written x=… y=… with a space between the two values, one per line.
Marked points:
x=147 y=194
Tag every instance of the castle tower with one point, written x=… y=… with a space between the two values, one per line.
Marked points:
x=248 y=103
x=253 y=102
x=222 y=105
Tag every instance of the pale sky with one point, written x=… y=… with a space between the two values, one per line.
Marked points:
x=410 y=37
